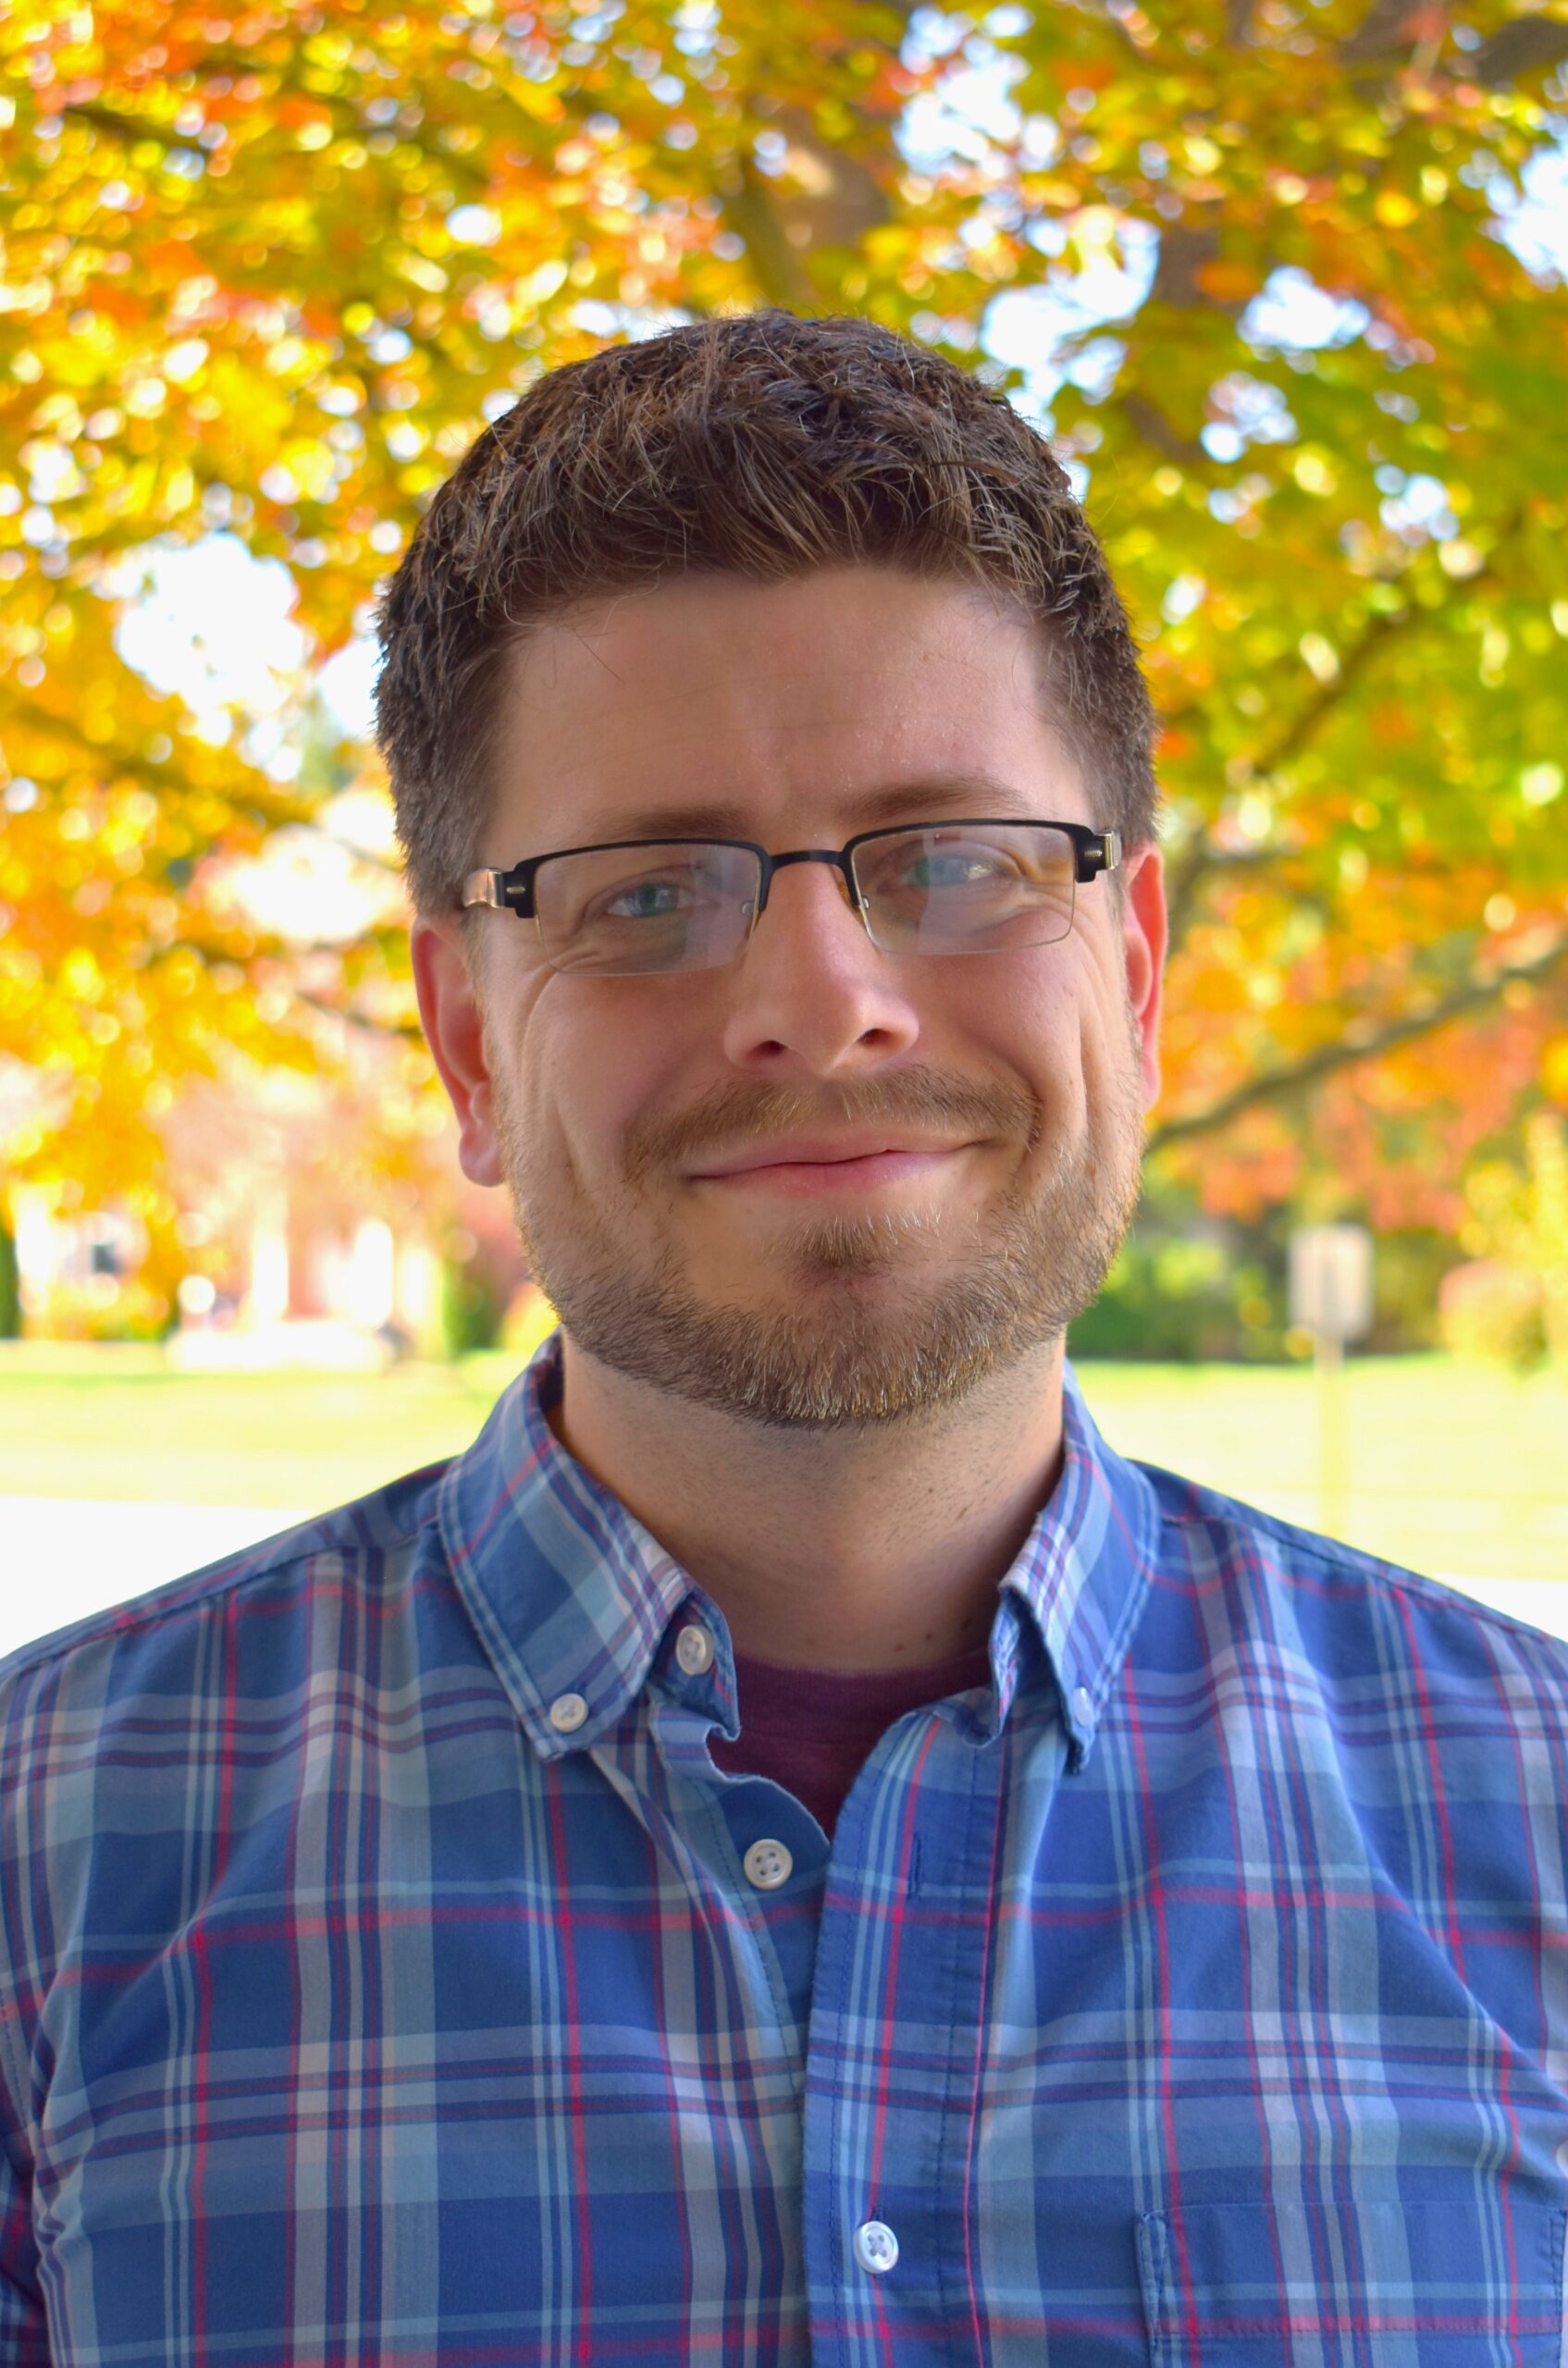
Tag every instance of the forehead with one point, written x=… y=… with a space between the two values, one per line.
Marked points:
x=715 y=703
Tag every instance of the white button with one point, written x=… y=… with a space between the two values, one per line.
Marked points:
x=768 y=1864
x=1562 y=2156
x=694 y=1650
x=567 y=1711
x=876 y=2247
x=1082 y=1705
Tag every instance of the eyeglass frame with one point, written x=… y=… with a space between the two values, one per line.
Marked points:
x=511 y=890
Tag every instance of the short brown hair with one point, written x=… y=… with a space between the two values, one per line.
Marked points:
x=760 y=445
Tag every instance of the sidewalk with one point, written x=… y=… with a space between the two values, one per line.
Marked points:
x=62 y=1558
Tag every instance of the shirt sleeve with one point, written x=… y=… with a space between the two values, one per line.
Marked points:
x=24 y=2329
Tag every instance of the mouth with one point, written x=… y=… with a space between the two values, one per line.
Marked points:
x=801 y=1179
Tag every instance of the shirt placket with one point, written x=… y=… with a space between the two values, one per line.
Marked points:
x=895 y=2048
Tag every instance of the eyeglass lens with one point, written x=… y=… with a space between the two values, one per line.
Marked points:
x=623 y=911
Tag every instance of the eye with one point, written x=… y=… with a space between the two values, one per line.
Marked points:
x=648 y=888
x=952 y=867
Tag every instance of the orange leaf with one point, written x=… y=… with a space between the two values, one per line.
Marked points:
x=1228 y=282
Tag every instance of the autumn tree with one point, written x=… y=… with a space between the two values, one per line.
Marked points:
x=269 y=271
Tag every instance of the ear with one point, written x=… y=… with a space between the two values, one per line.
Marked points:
x=448 y=1008
x=1144 y=933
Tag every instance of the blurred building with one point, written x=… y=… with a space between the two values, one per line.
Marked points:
x=306 y=1234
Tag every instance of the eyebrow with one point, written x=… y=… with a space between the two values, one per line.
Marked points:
x=889 y=802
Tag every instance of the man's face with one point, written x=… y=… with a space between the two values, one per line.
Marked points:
x=598 y=1101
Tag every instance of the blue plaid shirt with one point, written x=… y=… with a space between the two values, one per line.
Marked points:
x=390 y=1975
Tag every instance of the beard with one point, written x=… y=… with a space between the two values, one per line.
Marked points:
x=871 y=1319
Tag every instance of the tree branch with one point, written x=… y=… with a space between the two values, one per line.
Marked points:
x=1188 y=876
x=1520 y=48
x=1358 y=1044
x=1187 y=873
x=270 y=808
x=1381 y=36
x=1185 y=248
x=1308 y=718
x=348 y=122
x=1526 y=45
x=1155 y=429
x=408 y=1031
x=827 y=197
x=750 y=208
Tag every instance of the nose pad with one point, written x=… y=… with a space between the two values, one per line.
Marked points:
x=836 y=874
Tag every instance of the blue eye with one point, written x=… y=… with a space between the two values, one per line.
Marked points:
x=972 y=866
x=641 y=888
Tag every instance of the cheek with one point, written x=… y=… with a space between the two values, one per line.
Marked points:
x=1034 y=1020
x=1062 y=1028
x=589 y=1077
x=1101 y=989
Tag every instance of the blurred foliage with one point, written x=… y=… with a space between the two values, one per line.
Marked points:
x=529 y=1320
x=1183 y=1297
x=10 y=1288
x=1193 y=1288
x=1492 y=1314
x=270 y=271
x=1408 y=1274
x=1511 y=1303
x=473 y=1307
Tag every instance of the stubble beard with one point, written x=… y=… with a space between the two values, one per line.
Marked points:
x=852 y=1343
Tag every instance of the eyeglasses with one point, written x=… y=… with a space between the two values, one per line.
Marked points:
x=628 y=907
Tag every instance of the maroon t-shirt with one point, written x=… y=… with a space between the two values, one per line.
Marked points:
x=812 y=1732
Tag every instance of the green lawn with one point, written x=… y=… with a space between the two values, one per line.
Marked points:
x=1451 y=1469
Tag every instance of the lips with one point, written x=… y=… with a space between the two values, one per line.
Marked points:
x=801 y=1178
x=805 y=1153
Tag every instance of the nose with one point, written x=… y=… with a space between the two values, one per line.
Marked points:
x=809 y=990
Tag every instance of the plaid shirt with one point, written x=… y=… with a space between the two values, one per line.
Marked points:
x=390 y=1975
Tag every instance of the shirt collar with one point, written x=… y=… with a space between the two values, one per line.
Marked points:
x=571 y=1595
x=1082 y=1578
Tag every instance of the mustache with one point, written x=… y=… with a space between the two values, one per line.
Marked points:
x=921 y=1100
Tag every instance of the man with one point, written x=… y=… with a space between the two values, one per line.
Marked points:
x=791 y=1849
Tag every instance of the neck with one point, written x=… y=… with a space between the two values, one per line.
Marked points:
x=836 y=1552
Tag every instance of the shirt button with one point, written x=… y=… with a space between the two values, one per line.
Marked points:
x=1082 y=1705
x=694 y=1650
x=876 y=2247
x=567 y=1713
x=768 y=1864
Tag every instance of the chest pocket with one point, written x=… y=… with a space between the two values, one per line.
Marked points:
x=1355 y=2286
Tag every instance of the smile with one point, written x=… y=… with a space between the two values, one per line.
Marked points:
x=801 y=1180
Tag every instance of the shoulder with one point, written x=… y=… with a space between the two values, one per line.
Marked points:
x=125 y=1645
x=1347 y=1612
